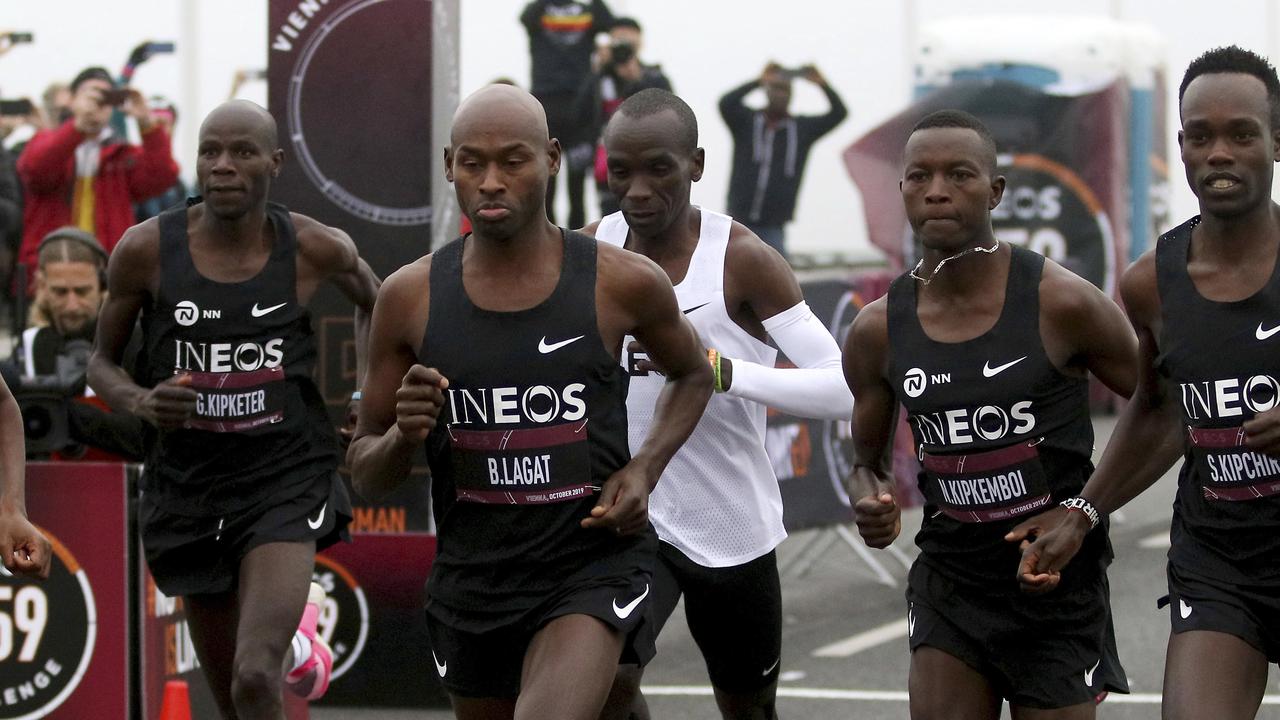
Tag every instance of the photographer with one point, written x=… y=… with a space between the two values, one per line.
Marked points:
x=82 y=173
x=619 y=75
x=771 y=147
x=53 y=354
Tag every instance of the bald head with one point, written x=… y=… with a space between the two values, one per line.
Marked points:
x=243 y=116
x=501 y=109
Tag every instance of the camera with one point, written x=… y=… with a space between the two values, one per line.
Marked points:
x=45 y=400
x=115 y=96
x=621 y=53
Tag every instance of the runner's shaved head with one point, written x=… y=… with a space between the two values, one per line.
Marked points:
x=501 y=108
x=250 y=116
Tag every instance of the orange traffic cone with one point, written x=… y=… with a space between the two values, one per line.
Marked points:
x=177 y=701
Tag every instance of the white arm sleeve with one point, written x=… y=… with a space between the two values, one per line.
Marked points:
x=815 y=388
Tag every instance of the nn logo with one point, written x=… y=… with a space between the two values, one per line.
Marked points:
x=186 y=313
x=915 y=381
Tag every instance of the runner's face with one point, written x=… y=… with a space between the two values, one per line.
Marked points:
x=1227 y=142
x=234 y=168
x=499 y=169
x=650 y=172
x=948 y=188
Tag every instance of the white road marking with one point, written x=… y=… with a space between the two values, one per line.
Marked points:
x=884 y=695
x=864 y=640
x=1156 y=541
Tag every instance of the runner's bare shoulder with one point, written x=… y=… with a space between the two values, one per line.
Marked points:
x=134 y=263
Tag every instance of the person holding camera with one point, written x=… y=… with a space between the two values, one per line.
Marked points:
x=82 y=173
x=562 y=36
x=49 y=363
x=619 y=75
x=770 y=148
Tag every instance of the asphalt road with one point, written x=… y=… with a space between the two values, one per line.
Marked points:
x=844 y=636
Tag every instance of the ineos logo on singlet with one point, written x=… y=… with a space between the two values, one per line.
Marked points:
x=510 y=405
x=228 y=357
x=967 y=425
x=1230 y=397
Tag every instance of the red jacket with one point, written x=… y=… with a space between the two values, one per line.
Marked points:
x=126 y=174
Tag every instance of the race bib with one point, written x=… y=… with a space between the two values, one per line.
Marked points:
x=533 y=466
x=1229 y=470
x=990 y=486
x=238 y=401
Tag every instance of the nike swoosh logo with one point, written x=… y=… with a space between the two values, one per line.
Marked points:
x=988 y=371
x=315 y=524
x=544 y=347
x=695 y=307
x=1264 y=334
x=441 y=668
x=625 y=611
x=771 y=667
x=1184 y=609
x=911 y=624
x=259 y=312
x=1088 y=674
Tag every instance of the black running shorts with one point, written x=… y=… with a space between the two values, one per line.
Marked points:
x=1043 y=652
x=199 y=555
x=1251 y=613
x=734 y=614
x=479 y=657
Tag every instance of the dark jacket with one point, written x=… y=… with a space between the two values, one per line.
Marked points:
x=562 y=36
x=768 y=162
x=603 y=92
x=126 y=174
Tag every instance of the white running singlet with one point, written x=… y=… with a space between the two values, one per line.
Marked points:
x=718 y=501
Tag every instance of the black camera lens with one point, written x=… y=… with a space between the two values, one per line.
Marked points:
x=622 y=52
x=37 y=421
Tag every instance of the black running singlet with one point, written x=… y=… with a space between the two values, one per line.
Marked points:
x=260 y=427
x=1222 y=361
x=1001 y=433
x=535 y=421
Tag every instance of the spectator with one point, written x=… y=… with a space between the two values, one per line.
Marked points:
x=561 y=40
x=70 y=285
x=56 y=101
x=11 y=133
x=619 y=75
x=164 y=113
x=80 y=173
x=770 y=148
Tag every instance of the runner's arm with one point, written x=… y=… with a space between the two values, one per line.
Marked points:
x=643 y=299
x=1144 y=444
x=816 y=388
x=23 y=549
x=130 y=269
x=673 y=345
x=401 y=399
x=875 y=412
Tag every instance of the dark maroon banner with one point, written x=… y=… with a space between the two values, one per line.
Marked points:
x=64 y=641
x=375 y=622
x=349 y=82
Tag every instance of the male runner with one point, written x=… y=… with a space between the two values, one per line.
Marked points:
x=988 y=346
x=514 y=333
x=1206 y=305
x=718 y=511
x=240 y=487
